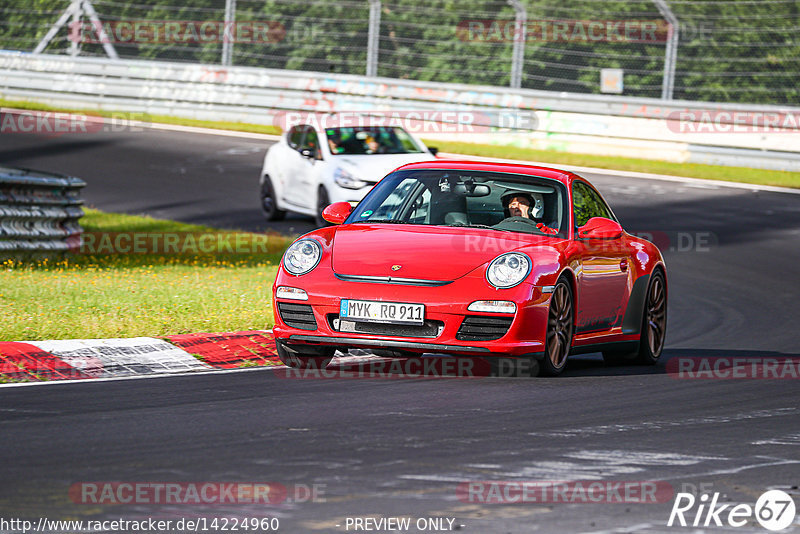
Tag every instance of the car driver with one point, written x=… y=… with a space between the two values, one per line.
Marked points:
x=523 y=205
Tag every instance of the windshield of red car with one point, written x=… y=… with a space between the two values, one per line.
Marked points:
x=500 y=201
x=370 y=140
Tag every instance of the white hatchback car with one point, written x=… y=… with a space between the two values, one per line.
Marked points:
x=308 y=169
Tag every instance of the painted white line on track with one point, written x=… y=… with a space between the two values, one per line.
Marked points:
x=696 y=182
x=140 y=377
x=574 y=168
x=207 y=131
x=337 y=360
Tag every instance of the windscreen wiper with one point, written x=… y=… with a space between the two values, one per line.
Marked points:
x=477 y=226
x=383 y=221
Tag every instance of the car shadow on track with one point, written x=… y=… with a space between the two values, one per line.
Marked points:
x=697 y=364
x=678 y=363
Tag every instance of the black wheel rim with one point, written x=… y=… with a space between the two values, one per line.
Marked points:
x=322 y=203
x=656 y=316
x=267 y=202
x=559 y=326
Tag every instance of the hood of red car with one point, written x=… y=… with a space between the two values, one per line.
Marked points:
x=422 y=252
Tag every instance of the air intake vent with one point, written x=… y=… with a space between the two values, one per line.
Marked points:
x=429 y=329
x=297 y=315
x=482 y=328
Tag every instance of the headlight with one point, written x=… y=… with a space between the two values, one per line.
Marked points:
x=508 y=270
x=302 y=256
x=347 y=180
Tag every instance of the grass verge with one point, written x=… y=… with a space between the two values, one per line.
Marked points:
x=692 y=170
x=141 y=294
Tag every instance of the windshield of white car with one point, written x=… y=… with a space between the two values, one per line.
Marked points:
x=468 y=199
x=369 y=140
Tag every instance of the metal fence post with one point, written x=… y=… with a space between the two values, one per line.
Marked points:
x=75 y=10
x=227 y=35
x=373 y=38
x=518 y=51
x=671 y=53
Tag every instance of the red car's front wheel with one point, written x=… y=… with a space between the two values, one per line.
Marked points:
x=559 y=330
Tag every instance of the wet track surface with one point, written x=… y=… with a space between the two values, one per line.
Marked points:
x=400 y=447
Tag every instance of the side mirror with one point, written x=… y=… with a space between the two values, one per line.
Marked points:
x=600 y=228
x=337 y=212
x=307 y=153
x=433 y=150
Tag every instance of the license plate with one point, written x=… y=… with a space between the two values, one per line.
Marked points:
x=382 y=312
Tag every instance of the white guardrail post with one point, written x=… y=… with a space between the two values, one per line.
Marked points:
x=39 y=213
x=671 y=52
x=520 y=34
x=228 y=33
x=373 y=38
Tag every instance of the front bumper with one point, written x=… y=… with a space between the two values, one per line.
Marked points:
x=445 y=309
x=337 y=193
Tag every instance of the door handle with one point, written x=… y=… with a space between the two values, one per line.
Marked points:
x=623 y=265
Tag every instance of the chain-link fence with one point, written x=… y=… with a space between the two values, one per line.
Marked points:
x=721 y=50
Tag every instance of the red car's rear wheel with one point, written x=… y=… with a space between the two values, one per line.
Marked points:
x=654 y=327
x=654 y=322
x=560 y=329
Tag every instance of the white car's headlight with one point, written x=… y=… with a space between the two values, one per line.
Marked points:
x=508 y=270
x=347 y=180
x=302 y=256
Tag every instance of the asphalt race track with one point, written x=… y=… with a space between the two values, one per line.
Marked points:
x=400 y=447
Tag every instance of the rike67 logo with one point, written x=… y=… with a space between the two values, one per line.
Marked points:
x=774 y=510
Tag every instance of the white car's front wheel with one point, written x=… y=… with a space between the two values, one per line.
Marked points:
x=323 y=200
x=268 y=201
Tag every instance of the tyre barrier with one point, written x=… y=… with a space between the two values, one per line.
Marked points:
x=39 y=213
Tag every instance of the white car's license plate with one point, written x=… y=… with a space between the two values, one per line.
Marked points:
x=382 y=312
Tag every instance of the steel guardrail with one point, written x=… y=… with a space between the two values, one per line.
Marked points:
x=602 y=124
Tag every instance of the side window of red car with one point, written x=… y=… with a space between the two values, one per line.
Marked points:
x=586 y=203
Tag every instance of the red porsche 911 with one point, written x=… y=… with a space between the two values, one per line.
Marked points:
x=473 y=259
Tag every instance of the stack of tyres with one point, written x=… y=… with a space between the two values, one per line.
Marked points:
x=39 y=213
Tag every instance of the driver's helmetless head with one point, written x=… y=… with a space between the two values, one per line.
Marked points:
x=519 y=206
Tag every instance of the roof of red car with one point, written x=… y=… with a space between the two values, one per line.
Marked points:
x=491 y=166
